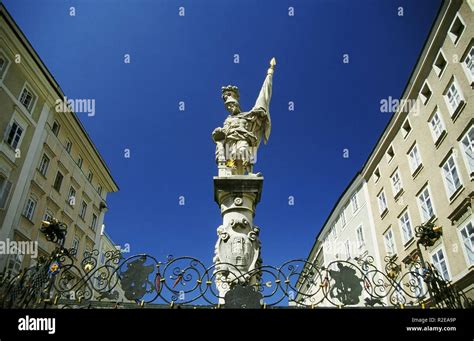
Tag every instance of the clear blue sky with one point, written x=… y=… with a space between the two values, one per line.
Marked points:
x=188 y=59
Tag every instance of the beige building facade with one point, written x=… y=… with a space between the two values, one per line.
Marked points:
x=421 y=169
x=49 y=166
x=347 y=235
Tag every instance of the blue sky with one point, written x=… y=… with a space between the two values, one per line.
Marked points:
x=175 y=58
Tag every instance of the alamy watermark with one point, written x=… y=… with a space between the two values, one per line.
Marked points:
x=77 y=105
x=13 y=247
x=393 y=105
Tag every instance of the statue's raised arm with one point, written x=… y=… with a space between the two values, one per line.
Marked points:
x=239 y=138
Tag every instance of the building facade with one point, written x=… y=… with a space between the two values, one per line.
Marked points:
x=422 y=167
x=421 y=170
x=49 y=167
x=347 y=235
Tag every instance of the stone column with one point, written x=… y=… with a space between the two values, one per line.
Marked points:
x=237 y=252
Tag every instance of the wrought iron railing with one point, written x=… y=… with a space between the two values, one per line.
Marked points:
x=144 y=281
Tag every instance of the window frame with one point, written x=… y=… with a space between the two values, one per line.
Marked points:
x=426 y=188
x=56 y=133
x=3 y=189
x=396 y=193
x=83 y=211
x=464 y=153
x=454 y=112
x=392 y=238
x=94 y=223
x=443 y=251
x=446 y=186
x=400 y=224
x=6 y=65
x=436 y=68
x=414 y=170
x=469 y=74
x=382 y=193
x=9 y=131
x=355 y=200
x=461 y=227
x=34 y=97
x=42 y=168
x=360 y=241
x=58 y=188
x=29 y=212
x=456 y=40
x=437 y=113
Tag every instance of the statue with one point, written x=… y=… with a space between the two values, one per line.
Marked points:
x=239 y=138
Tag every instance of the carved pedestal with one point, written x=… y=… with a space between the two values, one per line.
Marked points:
x=237 y=252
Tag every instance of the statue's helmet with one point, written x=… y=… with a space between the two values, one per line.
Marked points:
x=230 y=94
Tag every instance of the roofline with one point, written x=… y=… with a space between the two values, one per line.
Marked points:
x=339 y=200
x=49 y=77
x=415 y=70
x=436 y=22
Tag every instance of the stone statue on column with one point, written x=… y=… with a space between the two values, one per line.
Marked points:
x=237 y=190
x=239 y=138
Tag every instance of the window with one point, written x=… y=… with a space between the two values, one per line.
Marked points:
x=79 y=162
x=405 y=225
x=99 y=190
x=55 y=128
x=14 y=135
x=48 y=215
x=469 y=64
x=27 y=98
x=451 y=176
x=29 y=210
x=453 y=97
x=382 y=202
x=389 y=242
x=3 y=64
x=94 y=222
x=360 y=237
x=467 y=237
x=82 y=214
x=396 y=183
x=348 y=249
x=43 y=167
x=436 y=125
x=439 y=64
x=425 y=93
x=58 y=181
x=414 y=158
x=14 y=263
x=334 y=233
x=439 y=261
x=376 y=175
x=354 y=203
x=75 y=244
x=456 y=29
x=390 y=154
x=425 y=204
x=72 y=196
x=467 y=143
x=406 y=128
x=5 y=187
x=68 y=146
x=342 y=217
x=90 y=176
